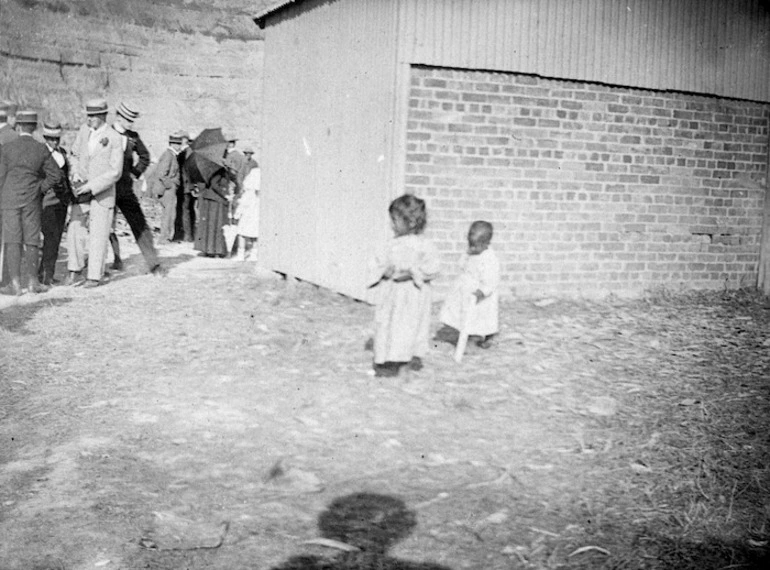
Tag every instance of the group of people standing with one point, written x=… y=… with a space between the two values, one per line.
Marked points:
x=197 y=211
x=41 y=186
x=45 y=190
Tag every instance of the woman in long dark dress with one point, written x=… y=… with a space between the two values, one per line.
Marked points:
x=214 y=205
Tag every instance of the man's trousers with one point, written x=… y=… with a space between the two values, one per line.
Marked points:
x=89 y=232
x=54 y=217
x=128 y=204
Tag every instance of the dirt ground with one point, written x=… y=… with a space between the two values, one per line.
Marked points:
x=207 y=419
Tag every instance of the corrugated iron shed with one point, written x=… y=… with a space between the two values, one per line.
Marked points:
x=719 y=47
x=337 y=82
x=327 y=134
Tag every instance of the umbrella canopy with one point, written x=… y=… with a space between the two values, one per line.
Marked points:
x=206 y=155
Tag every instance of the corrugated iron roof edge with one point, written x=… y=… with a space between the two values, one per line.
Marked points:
x=259 y=18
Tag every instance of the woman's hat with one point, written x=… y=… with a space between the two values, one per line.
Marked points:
x=52 y=130
x=96 y=107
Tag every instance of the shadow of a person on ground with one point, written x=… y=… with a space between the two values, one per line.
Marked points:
x=14 y=318
x=135 y=266
x=365 y=525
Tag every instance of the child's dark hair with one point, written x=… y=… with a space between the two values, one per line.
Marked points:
x=411 y=210
x=481 y=231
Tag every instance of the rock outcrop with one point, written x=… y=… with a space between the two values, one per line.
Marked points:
x=184 y=64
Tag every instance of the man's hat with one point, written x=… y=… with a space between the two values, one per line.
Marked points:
x=230 y=137
x=248 y=150
x=26 y=117
x=96 y=107
x=175 y=138
x=52 y=130
x=127 y=112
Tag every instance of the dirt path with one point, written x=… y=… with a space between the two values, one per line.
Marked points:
x=205 y=420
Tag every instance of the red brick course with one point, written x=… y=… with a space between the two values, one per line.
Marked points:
x=592 y=189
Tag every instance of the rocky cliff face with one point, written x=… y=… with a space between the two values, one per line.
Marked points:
x=184 y=64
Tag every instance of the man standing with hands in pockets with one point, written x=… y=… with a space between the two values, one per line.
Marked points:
x=97 y=163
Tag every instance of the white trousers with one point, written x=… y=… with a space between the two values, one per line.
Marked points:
x=88 y=235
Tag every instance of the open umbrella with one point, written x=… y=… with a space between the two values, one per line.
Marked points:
x=206 y=155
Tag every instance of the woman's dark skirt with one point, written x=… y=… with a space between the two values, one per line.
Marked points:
x=209 y=238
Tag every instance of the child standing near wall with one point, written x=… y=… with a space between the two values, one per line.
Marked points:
x=401 y=278
x=472 y=305
x=247 y=214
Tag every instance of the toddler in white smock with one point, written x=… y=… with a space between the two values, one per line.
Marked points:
x=473 y=303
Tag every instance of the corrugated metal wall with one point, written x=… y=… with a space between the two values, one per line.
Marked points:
x=327 y=139
x=719 y=47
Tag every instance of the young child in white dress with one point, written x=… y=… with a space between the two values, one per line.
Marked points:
x=247 y=214
x=474 y=300
x=400 y=277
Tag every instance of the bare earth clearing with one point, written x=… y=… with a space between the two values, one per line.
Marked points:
x=205 y=420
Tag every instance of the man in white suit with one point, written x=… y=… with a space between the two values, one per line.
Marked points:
x=97 y=163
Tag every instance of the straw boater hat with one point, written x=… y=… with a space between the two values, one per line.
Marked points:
x=248 y=150
x=127 y=112
x=26 y=117
x=96 y=107
x=52 y=130
x=175 y=138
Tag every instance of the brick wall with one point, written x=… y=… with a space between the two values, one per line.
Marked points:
x=591 y=189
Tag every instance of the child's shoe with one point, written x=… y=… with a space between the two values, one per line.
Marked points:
x=447 y=334
x=387 y=369
x=416 y=363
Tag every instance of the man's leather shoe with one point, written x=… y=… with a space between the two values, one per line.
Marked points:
x=117 y=265
x=90 y=284
x=36 y=287
x=159 y=271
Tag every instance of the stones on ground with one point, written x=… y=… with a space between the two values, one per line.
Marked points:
x=602 y=406
x=171 y=531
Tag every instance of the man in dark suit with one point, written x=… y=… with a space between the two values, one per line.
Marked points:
x=235 y=160
x=7 y=134
x=55 y=204
x=136 y=159
x=27 y=171
x=189 y=192
x=164 y=183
